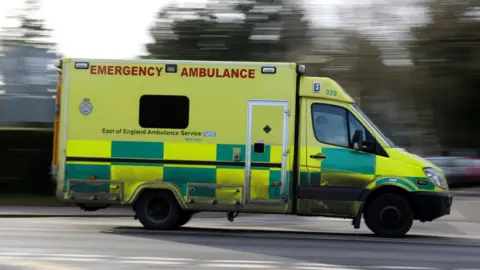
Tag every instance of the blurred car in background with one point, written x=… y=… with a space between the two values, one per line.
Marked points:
x=473 y=168
x=460 y=171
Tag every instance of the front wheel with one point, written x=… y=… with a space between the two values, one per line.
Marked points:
x=158 y=210
x=389 y=215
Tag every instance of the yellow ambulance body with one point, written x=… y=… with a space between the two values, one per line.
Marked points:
x=173 y=138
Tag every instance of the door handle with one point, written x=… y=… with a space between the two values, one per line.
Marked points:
x=318 y=156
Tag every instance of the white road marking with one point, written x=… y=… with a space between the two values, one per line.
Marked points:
x=49 y=229
x=39 y=258
x=77 y=255
x=318 y=264
x=66 y=259
x=22 y=254
x=237 y=265
x=404 y=267
x=321 y=266
x=239 y=261
x=35 y=265
x=19 y=254
x=152 y=262
x=156 y=259
x=326 y=267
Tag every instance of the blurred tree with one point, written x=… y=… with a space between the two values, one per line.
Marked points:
x=447 y=51
x=27 y=52
x=239 y=30
x=30 y=29
x=382 y=74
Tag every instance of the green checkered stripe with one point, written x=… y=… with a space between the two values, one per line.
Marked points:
x=180 y=175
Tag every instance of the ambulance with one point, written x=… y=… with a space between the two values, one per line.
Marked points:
x=174 y=138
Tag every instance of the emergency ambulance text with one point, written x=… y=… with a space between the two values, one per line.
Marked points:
x=218 y=73
x=126 y=70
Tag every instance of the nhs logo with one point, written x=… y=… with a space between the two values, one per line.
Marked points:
x=209 y=134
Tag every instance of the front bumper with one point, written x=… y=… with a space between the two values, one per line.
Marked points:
x=429 y=206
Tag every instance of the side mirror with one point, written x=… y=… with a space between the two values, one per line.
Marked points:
x=357 y=140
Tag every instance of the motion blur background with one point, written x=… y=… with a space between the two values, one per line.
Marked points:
x=412 y=65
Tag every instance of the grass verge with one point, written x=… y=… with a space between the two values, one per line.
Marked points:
x=28 y=200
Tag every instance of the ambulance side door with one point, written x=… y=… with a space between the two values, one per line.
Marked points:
x=337 y=173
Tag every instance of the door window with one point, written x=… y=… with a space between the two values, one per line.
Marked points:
x=368 y=139
x=336 y=126
x=330 y=124
x=356 y=125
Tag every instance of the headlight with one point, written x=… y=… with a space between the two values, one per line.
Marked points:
x=435 y=177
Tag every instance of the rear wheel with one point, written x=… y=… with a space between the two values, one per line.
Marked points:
x=158 y=210
x=185 y=217
x=389 y=215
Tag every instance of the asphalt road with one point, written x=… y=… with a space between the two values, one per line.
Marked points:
x=472 y=192
x=66 y=238
x=286 y=242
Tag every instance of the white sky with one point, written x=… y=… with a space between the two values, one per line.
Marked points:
x=118 y=28
x=95 y=28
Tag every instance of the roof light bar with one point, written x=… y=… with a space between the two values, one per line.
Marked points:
x=81 y=65
x=269 y=70
x=171 y=68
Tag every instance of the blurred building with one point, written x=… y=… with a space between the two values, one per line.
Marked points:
x=28 y=86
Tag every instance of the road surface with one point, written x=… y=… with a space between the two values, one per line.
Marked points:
x=286 y=242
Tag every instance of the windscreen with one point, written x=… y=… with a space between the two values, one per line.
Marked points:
x=387 y=140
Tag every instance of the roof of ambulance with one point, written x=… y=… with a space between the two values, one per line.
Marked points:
x=173 y=61
x=328 y=89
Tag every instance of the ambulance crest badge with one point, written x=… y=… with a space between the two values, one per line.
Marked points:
x=86 y=107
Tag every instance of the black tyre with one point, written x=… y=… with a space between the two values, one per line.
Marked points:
x=185 y=217
x=158 y=210
x=389 y=215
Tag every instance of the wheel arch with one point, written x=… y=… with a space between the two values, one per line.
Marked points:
x=388 y=188
x=142 y=190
